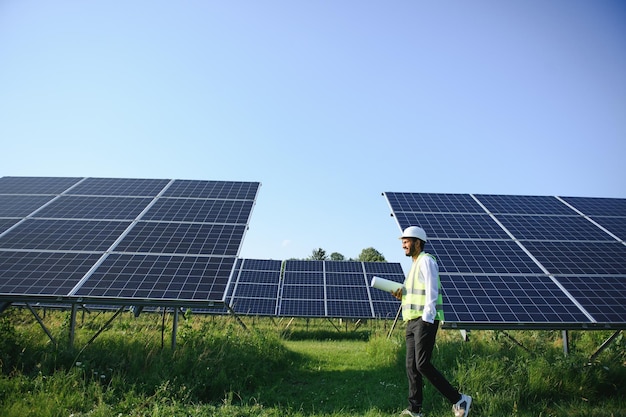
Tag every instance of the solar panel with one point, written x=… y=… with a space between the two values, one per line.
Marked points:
x=159 y=277
x=36 y=185
x=604 y=297
x=455 y=226
x=108 y=240
x=565 y=228
x=540 y=249
x=302 y=289
x=21 y=205
x=502 y=299
x=87 y=207
x=64 y=235
x=523 y=204
x=42 y=273
x=593 y=206
x=119 y=187
x=615 y=225
x=255 y=287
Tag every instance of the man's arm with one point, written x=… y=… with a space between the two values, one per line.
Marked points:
x=429 y=272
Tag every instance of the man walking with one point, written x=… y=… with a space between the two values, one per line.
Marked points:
x=422 y=309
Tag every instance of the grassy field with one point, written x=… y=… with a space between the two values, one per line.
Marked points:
x=309 y=368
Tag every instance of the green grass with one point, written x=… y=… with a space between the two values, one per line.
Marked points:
x=306 y=368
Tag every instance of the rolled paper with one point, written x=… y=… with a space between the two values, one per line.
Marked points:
x=385 y=284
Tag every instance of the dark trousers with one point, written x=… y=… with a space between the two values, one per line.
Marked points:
x=420 y=341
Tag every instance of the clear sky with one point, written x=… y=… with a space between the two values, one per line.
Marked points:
x=326 y=103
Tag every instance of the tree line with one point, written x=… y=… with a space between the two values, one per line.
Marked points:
x=367 y=255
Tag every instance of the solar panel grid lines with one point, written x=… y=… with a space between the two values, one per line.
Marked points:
x=499 y=300
x=598 y=206
x=546 y=237
x=42 y=273
x=101 y=216
x=256 y=287
x=36 y=185
x=19 y=206
x=603 y=296
x=64 y=235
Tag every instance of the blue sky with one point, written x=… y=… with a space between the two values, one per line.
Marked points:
x=326 y=103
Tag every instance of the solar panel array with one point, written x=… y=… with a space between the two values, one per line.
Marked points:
x=114 y=241
x=307 y=288
x=524 y=261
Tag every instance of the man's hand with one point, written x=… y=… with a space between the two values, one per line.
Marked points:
x=397 y=293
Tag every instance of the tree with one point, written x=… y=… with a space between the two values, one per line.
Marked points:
x=336 y=256
x=318 y=254
x=371 y=255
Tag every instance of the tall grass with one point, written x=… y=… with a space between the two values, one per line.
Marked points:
x=309 y=368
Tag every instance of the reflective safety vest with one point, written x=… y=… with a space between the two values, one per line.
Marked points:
x=414 y=294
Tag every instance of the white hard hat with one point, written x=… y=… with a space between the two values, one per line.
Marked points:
x=415 y=232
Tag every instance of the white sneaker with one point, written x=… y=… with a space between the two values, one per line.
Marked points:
x=461 y=408
x=408 y=412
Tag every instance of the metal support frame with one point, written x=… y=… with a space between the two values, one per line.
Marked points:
x=41 y=323
x=231 y=311
x=604 y=345
x=512 y=339
x=103 y=328
x=395 y=321
x=174 y=328
x=565 y=342
x=72 y=325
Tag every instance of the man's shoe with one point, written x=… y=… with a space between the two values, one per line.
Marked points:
x=461 y=408
x=408 y=412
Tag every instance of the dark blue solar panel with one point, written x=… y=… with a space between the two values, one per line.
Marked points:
x=6 y=224
x=350 y=279
x=261 y=265
x=198 y=210
x=500 y=299
x=555 y=237
x=119 y=187
x=603 y=297
x=599 y=206
x=348 y=293
x=433 y=203
x=386 y=309
x=183 y=238
x=256 y=287
x=101 y=208
x=186 y=278
x=303 y=292
x=305 y=266
x=42 y=273
x=615 y=225
x=524 y=204
x=213 y=189
x=302 y=308
x=574 y=258
x=95 y=214
x=381 y=268
x=344 y=267
x=553 y=228
x=303 y=278
x=351 y=309
x=255 y=306
x=483 y=257
x=453 y=226
x=256 y=290
x=63 y=235
x=35 y=185
x=259 y=277
x=21 y=205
